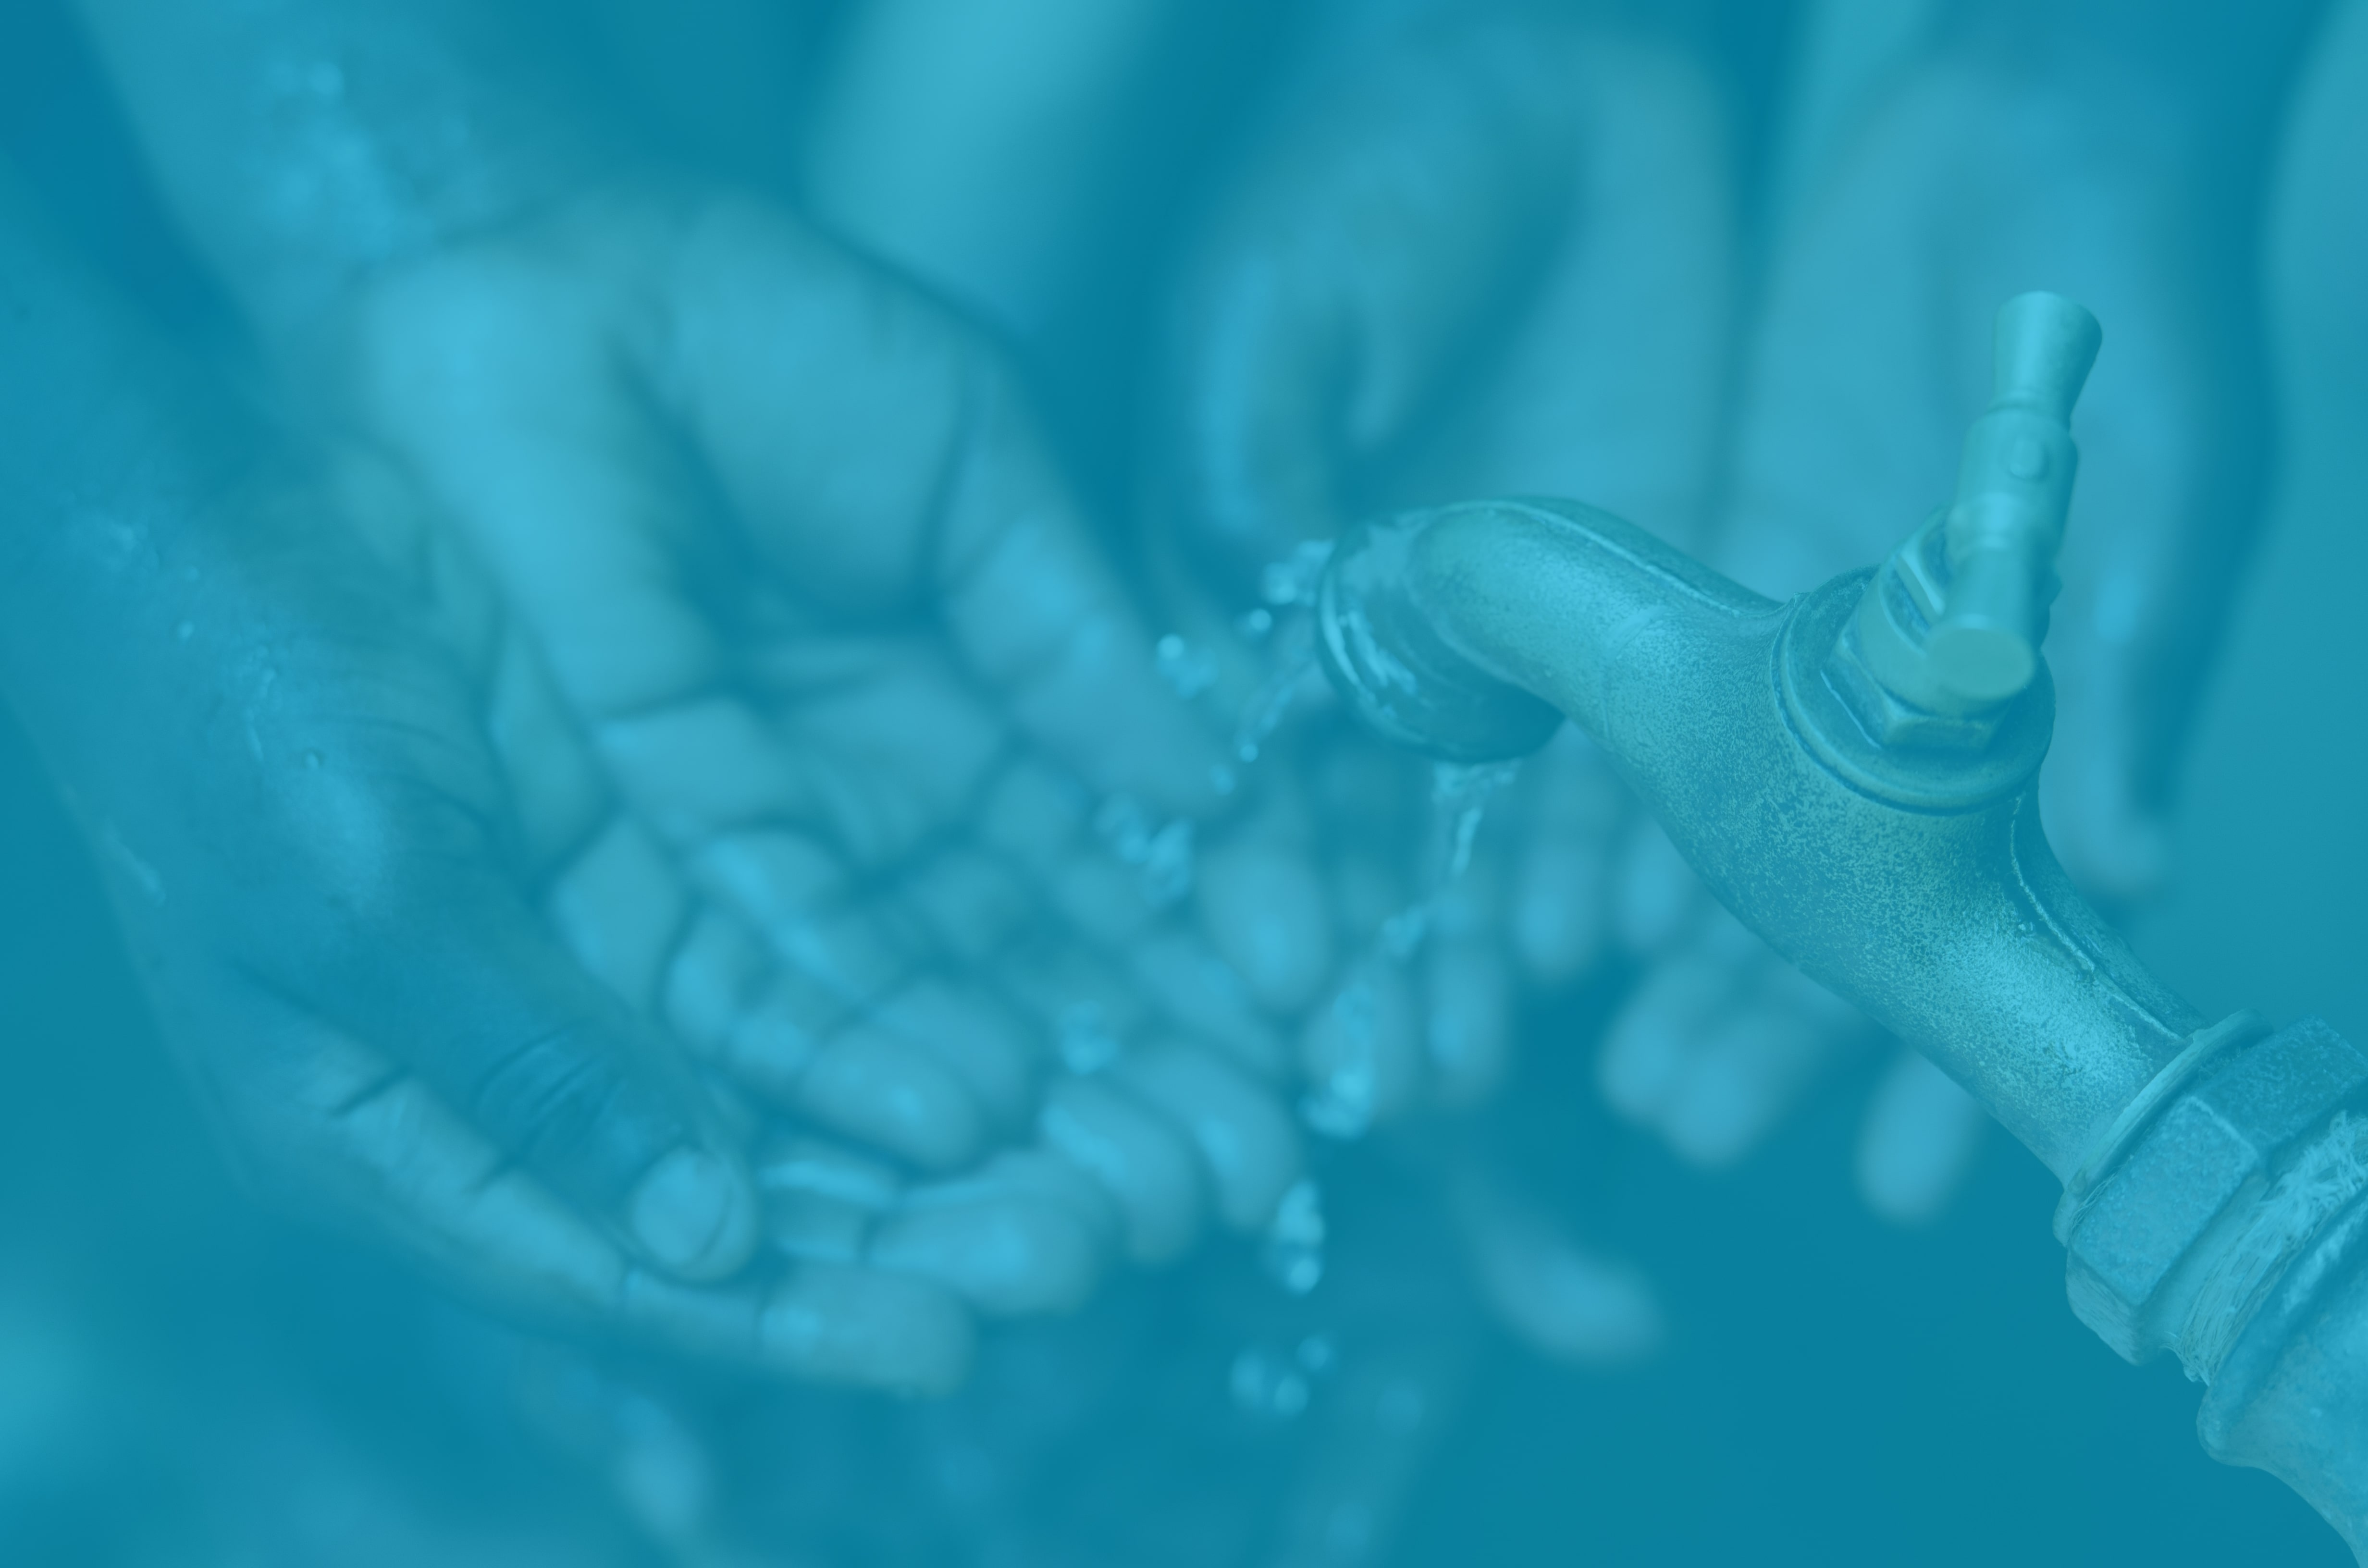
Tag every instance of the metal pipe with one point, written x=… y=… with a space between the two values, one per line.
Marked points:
x=1917 y=885
x=1853 y=774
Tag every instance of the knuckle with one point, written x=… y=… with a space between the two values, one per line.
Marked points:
x=556 y=1101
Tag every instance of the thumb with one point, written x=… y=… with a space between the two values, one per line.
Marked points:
x=470 y=995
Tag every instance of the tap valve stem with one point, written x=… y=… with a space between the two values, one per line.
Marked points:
x=2014 y=487
x=1948 y=631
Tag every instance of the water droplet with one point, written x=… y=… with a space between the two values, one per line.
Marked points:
x=1125 y=826
x=312 y=759
x=1263 y=713
x=1188 y=671
x=1293 y=579
x=1168 y=864
x=1459 y=797
x=1255 y=626
x=1163 y=852
x=1342 y=1106
x=1267 y=1385
x=186 y=630
x=1470 y=783
x=1294 y=1253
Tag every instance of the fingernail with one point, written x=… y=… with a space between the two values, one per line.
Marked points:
x=691 y=1216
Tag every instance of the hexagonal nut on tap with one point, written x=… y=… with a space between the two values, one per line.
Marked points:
x=2182 y=1197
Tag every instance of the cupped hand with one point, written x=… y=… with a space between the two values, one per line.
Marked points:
x=1494 y=260
x=1870 y=356
x=317 y=864
x=840 y=753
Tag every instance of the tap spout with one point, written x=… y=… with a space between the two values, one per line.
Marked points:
x=1914 y=881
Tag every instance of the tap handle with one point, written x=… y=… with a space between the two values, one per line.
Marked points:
x=2013 y=490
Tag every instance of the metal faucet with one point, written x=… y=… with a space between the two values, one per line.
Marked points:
x=1853 y=773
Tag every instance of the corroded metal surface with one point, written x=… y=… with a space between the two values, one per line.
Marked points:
x=1921 y=889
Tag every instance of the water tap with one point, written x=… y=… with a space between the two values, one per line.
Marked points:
x=1854 y=775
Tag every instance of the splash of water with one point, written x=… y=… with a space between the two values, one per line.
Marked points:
x=1294 y=1252
x=1161 y=852
x=1189 y=671
x=1293 y=580
x=1459 y=793
x=1293 y=672
x=1343 y=1106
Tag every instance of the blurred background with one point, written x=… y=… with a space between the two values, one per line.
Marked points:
x=186 y=1378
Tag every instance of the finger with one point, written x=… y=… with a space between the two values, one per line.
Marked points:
x=1255 y=411
x=1036 y=820
x=2163 y=523
x=555 y=785
x=1562 y=1301
x=1652 y=1042
x=878 y=1087
x=497 y=377
x=1182 y=976
x=442 y=1187
x=973 y=905
x=1248 y=1148
x=983 y=1043
x=619 y=906
x=815 y=1001
x=852 y=1068
x=461 y=986
x=1374 y=243
x=1612 y=387
x=826 y=1323
x=916 y=476
x=1149 y=1169
x=1008 y=1255
x=1046 y=625
x=1090 y=1010
x=2115 y=843
x=1918 y=1143
x=821 y=1200
x=1045 y=1177
x=893 y=737
x=835 y=1324
x=797 y=896
x=391 y=1146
